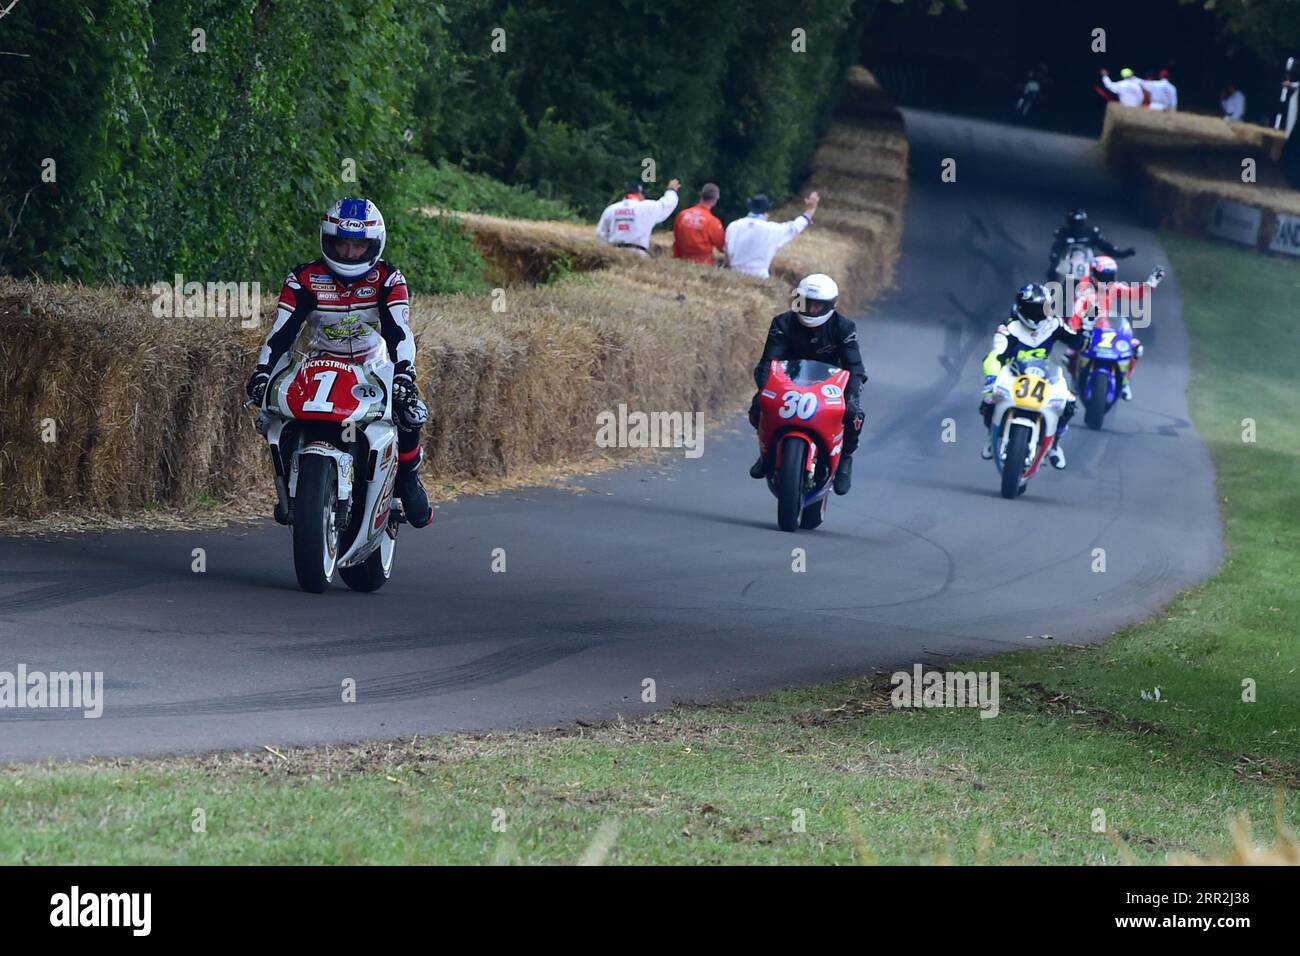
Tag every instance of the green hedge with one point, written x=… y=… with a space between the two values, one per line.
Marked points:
x=448 y=186
x=585 y=91
x=217 y=164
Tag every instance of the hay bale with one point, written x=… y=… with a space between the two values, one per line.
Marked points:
x=139 y=408
x=148 y=411
x=1183 y=164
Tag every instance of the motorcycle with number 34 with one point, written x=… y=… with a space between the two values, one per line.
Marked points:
x=1029 y=397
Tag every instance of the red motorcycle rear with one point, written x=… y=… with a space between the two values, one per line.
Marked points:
x=801 y=438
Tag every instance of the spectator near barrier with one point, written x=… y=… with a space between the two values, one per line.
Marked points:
x=1233 y=102
x=629 y=222
x=697 y=231
x=1161 y=92
x=1127 y=89
x=752 y=242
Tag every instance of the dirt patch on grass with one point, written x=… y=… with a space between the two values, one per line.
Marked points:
x=1266 y=770
x=1058 y=705
x=862 y=699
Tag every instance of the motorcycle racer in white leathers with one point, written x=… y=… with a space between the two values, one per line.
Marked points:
x=352 y=300
x=1029 y=332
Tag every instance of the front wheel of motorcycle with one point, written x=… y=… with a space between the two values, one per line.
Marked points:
x=1013 y=467
x=315 y=525
x=789 y=482
x=813 y=517
x=1094 y=412
x=372 y=573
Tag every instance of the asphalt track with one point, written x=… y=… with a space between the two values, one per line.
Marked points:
x=673 y=572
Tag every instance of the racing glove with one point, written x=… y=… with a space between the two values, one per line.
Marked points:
x=1157 y=276
x=257 y=382
x=853 y=414
x=410 y=410
x=987 y=394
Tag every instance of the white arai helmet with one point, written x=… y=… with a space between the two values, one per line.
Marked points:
x=814 y=299
x=352 y=224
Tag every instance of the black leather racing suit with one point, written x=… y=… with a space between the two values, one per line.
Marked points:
x=1090 y=235
x=835 y=342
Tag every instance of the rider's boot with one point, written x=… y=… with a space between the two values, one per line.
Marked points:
x=987 y=451
x=759 y=468
x=1125 y=374
x=844 y=475
x=415 y=501
x=1057 y=455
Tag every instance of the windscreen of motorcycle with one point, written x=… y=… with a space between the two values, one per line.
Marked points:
x=809 y=372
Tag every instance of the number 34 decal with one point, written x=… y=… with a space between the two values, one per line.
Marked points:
x=1030 y=391
x=803 y=404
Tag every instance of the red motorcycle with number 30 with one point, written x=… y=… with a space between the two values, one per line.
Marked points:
x=329 y=422
x=801 y=437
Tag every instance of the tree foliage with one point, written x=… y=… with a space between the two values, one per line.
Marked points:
x=149 y=137
x=585 y=92
x=1269 y=28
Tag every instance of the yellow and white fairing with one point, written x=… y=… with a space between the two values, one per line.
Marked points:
x=1033 y=394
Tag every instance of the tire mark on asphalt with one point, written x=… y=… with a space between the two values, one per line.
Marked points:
x=513 y=661
x=76 y=586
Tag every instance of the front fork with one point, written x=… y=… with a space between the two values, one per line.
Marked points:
x=272 y=429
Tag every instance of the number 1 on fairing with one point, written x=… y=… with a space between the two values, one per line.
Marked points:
x=321 y=402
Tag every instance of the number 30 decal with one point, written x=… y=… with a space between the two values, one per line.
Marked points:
x=803 y=404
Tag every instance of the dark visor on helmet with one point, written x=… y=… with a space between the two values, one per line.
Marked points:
x=344 y=249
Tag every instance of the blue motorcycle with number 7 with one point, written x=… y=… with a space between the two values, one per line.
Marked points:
x=1102 y=367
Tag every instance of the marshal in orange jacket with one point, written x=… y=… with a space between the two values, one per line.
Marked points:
x=696 y=233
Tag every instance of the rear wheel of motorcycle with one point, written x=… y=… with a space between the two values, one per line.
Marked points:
x=315 y=529
x=371 y=574
x=789 y=483
x=813 y=517
x=1013 y=467
x=1094 y=412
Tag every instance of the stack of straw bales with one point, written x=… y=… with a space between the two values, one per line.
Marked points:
x=147 y=412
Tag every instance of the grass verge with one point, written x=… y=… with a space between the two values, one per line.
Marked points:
x=828 y=774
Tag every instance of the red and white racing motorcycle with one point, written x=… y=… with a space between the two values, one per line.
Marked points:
x=801 y=437
x=329 y=422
